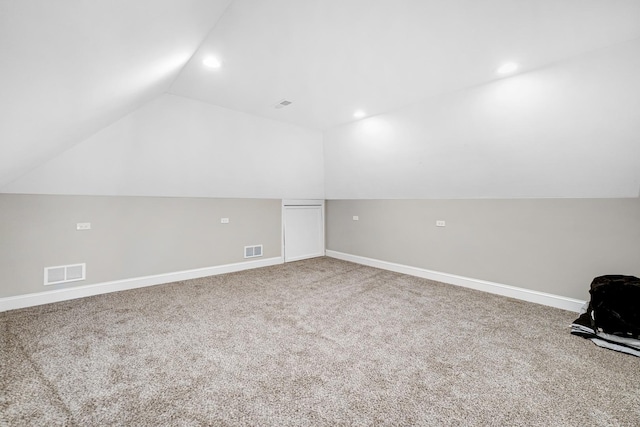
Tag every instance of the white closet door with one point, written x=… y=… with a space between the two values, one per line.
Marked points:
x=303 y=232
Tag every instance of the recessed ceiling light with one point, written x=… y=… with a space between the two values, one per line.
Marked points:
x=507 y=68
x=211 y=62
x=359 y=114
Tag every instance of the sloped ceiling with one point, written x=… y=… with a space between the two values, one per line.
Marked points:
x=331 y=57
x=69 y=68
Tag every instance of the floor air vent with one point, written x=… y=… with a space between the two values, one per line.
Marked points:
x=252 y=251
x=64 y=274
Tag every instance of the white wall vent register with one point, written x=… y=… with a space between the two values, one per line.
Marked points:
x=252 y=251
x=64 y=274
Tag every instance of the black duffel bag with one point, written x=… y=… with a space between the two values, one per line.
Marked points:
x=615 y=305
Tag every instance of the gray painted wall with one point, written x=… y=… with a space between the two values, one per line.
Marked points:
x=549 y=245
x=130 y=236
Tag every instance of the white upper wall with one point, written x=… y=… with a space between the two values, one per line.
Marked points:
x=70 y=68
x=176 y=146
x=568 y=130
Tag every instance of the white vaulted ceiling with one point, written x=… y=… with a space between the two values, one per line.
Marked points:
x=331 y=57
x=69 y=68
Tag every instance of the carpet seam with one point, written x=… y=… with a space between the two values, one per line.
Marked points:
x=36 y=368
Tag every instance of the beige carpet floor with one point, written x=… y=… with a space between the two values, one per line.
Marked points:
x=316 y=342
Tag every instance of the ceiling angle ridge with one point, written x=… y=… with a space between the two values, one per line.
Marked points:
x=197 y=49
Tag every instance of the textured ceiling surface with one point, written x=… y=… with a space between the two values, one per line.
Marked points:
x=69 y=68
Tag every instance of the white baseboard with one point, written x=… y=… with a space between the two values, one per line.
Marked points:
x=29 y=300
x=543 y=298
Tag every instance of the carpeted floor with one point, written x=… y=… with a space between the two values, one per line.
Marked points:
x=316 y=342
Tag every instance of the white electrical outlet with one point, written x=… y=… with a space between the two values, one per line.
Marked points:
x=356 y=218
x=224 y=220
x=83 y=226
x=441 y=223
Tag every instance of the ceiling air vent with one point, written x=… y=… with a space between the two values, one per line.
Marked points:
x=282 y=104
x=64 y=274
